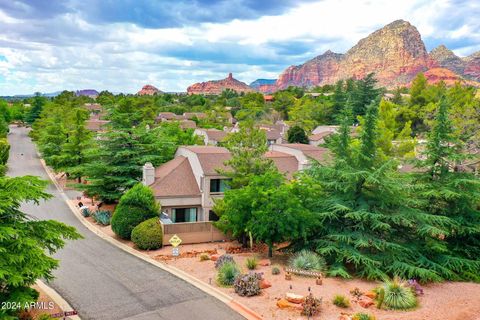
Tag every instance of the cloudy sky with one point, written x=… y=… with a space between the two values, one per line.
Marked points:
x=120 y=45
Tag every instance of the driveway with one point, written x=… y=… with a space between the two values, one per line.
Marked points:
x=101 y=281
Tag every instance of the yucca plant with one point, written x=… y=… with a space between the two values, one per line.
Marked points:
x=103 y=217
x=251 y=263
x=341 y=301
x=397 y=295
x=308 y=260
x=227 y=273
x=363 y=316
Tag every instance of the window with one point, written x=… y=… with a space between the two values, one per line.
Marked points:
x=212 y=216
x=184 y=215
x=219 y=185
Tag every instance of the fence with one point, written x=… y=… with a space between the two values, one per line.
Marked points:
x=193 y=232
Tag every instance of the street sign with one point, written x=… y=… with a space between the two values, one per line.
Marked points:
x=175 y=241
x=175 y=252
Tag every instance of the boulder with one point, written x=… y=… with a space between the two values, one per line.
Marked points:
x=345 y=317
x=366 y=302
x=371 y=294
x=284 y=304
x=214 y=257
x=294 y=298
x=264 y=262
x=264 y=284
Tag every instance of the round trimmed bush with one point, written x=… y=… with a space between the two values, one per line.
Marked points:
x=136 y=205
x=148 y=235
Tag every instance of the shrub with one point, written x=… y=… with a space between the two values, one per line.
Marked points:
x=103 y=217
x=247 y=285
x=275 y=270
x=341 y=301
x=44 y=316
x=311 y=306
x=4 y=151
x=136 y=205
x=148 y=235
x=308 y=260
x=223 y=259
x=397 y=295
x=227 y=273
x=86 y=212
x=204 y=257
x=251 y=263
x=363 y=316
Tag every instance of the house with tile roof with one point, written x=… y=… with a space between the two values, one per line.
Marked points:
x=211 y=137
x=188 y=185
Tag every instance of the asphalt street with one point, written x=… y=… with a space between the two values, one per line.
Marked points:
x=101 y=281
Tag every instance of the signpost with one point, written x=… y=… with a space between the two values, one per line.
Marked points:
x=175 y=242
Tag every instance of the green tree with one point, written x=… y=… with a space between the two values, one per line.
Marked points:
x=78 y=142
x=339 y=99
x=4 y=154
x=37 y=106
x=276 y=214
x=297 y=135
x=25 y=243
x=368 y=219
x=364 y=93
x=284 y=101
x=114 y=165
x=136 y=205
x=453 y=195
x=248 y=147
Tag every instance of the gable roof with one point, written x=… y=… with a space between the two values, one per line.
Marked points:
x=285 y=163
x=310 y=151
x=175 y=178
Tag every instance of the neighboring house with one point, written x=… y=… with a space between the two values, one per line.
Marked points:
x=319 y=138
x=211 y=137
x=96 y=125
x=187 y=186
x=268 y=98
x=96 y=111
x=193 y=115
x=276 y=133
x=165 y=116
x=321 y=129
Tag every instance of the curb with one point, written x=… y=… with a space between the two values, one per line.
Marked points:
x=57 y=298
x=243 y=310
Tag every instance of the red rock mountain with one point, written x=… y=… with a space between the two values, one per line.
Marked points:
x=148 y=90
x=395 y=53
x=217 y=86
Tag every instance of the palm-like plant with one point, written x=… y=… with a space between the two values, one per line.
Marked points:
x=397 y=295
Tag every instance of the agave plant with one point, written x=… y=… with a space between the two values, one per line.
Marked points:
x=397 y=295
x=308 y=260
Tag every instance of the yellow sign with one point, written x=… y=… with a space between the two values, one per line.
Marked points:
x=175 y=241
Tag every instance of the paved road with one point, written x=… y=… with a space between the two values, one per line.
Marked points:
x=102 y=281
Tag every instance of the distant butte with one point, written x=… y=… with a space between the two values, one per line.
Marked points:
x=218 y=86
x=148 y=90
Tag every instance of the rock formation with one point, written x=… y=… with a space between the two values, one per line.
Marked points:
x=472 y=66
x=218 y=86
x=92 y=93
x=148 y=90
x=445 y=58
x=395 y=53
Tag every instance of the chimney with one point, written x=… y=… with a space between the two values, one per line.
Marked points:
x=230 y=76
x=148 y=174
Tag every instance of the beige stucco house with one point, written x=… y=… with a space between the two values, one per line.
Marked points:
x=188 y=185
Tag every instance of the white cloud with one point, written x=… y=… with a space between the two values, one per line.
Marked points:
x=67 y=52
